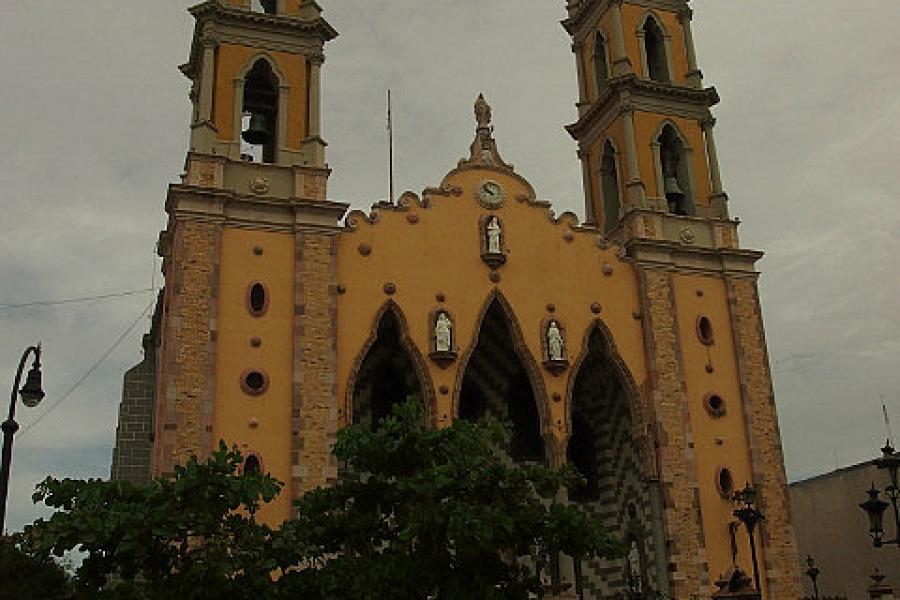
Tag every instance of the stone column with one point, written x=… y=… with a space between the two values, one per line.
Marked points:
x=621 y=63
x=694 y=75
x=583 y=104
x=313 y=144
x=207 y=79
x=590 y=213
x=314 y=126
x=635 y=185
x=718 y=199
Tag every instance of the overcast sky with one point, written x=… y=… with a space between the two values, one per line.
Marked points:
x=93 y=123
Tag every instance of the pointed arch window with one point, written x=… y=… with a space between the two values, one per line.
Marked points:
x=497 y=383
x=675 y=166
x=601 y=65
x=609 y=180
x=259 y=125
x=657 y=67
x=387 y=375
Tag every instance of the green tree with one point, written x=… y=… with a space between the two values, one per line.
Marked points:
x=192 y=536
x=28 y=575
x=437 y=513
x=432 y=513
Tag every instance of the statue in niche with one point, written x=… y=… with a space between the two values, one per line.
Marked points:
x=633 y=566
x=555 y=343
x=443 y=333
x=493 y=236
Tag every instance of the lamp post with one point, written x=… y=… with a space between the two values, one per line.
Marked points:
x=750 y=516
x=875 y=507
x=812 y=572
x=31 y=394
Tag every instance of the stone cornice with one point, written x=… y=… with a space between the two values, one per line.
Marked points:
x=669 y=255
x=185 y=202
x=639 y=90
x=581 y=16
x=217 y=23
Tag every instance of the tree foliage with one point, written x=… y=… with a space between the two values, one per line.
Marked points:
x=30 y=575
x=431 y=513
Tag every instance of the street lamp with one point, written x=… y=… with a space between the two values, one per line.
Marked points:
x=750 y=516
x=875 y=507
x=813 y=573
x=31 y=394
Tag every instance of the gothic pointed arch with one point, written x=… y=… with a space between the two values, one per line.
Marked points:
x=601 y=61
x=499 y=376
x=674 y=157
x=260 y=101
x=654 y=48
x=388 y=369
x=609 y=186
x=611 y=451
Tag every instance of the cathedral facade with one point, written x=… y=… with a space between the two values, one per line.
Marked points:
x=630 y=345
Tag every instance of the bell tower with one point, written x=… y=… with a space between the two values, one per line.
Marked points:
x=644 y=129
x=652 y=184
x=248 y=253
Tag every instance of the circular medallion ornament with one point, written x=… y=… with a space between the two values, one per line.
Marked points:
x=490 y=194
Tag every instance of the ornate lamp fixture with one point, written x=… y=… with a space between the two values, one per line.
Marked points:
x=875 y=507
x=750 y=516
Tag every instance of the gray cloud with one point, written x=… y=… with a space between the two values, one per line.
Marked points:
x=95 y=119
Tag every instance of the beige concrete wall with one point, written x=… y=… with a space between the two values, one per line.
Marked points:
x=835 y=531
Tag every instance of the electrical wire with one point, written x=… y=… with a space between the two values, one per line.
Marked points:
x=89 y=372
x=76 y=300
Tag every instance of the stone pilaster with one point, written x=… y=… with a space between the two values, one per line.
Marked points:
x=315 y=389
x=668 y=400
x=779 y=546
x=184 y=417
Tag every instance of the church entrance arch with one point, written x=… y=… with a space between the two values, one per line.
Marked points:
x=604 y=449
x=390 y=371
x=501 y=379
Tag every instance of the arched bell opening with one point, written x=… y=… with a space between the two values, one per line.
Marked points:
x=264 y=6
x=603 y=448
x=601 y=65
x=259 y=121
x=387 y=375
x=676 y=176
x=655 y=50
x=609 y=176
x=497 y=382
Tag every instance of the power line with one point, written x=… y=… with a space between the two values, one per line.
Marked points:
x=89 y=372
x=76 y=300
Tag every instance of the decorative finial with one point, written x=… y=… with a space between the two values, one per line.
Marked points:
x=483 y=152
x=482 y=112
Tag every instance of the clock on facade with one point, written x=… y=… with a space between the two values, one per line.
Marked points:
x=490 y=194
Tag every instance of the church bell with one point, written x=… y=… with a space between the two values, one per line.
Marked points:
x=258 y=133
x=673 y=188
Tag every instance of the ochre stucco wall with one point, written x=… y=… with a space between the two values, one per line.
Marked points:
x=234 y=409
x=718 y=442
x=232 y=61
x=441 y=253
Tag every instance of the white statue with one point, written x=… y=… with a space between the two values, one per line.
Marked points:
x=443 y=328
x=493 y=236
x=555 y=342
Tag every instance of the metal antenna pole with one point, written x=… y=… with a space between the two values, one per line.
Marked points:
x=887 y=421
x=390 y=147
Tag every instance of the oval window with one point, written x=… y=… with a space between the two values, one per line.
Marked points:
x=258 y=299
x=251 y=465
x=705 y=330
x=725 y=483
x=714 y=405
x=254 y=382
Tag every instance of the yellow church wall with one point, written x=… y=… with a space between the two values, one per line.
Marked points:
x=646 y=126
x=235 y=410
x=231 y=62
x=632 y=19
x=438 y=250
x=717 y=442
